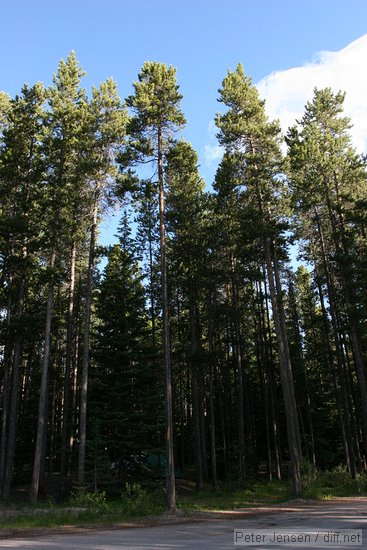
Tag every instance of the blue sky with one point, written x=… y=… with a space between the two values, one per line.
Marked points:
x=202 y=39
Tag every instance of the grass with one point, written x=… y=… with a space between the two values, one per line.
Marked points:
x=332 y=483
x=230 y=496
x=86 y=508
x=315 y=485
x=135 y=501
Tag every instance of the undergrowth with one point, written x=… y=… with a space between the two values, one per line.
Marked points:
x=135 y=500
x=322 y=485
x=230 y=496
x=86 y=507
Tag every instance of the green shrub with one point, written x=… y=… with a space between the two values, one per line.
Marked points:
x=331 y=483
x=137 y=500
x=92 y=501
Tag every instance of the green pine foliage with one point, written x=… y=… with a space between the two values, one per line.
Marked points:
x=126 y=403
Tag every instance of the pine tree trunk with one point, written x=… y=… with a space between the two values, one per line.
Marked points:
x=42 y=472
x=238 y=359
x=170 y=472
x=261 y=362
x=86 y=343
x=211 y=398
x=41 y=426
x=286 y=345
x=67 y=380
x=298 y=339
x=341 y=248
x=151 y=290
x=74 y=420
x=224 y=438
x=270 y=374
x=14 y=395
x=6 y=387
x=4 y=423
x=195 y=394
x=285 y=373
x=202 y=427
x=345 y=412
x=347 y=440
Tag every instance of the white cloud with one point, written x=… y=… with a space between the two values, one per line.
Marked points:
x=213 y=153
x=212 y=129
x=286 y=92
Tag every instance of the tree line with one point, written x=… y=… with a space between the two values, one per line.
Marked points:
x=200 y=345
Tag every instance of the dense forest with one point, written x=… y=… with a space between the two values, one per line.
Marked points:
x=196 y=345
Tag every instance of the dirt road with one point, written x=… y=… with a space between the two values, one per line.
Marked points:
x=315 y=524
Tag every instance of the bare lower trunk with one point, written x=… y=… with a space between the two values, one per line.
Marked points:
x=342 y=407
x=5 y=398
x=195 y=395
x=170 y=472
x=270 y=374
x=293 y=402
x=341 y=386
x=67 y=380
x=359 y=364
x=211 y=401
x=85 y=358
x=307 y=399
x=10 y=435
x=151 y=289
x=74 y=411
x=41 y=426
x=261 y=362
x=285 y=374
x=341 y=246
x=238 y=359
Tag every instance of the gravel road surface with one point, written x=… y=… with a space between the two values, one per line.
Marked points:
x=315 y=525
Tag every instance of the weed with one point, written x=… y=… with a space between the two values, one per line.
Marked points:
x=229 y=496
x=137 y=500
x=91 y=501
x=332 y=483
